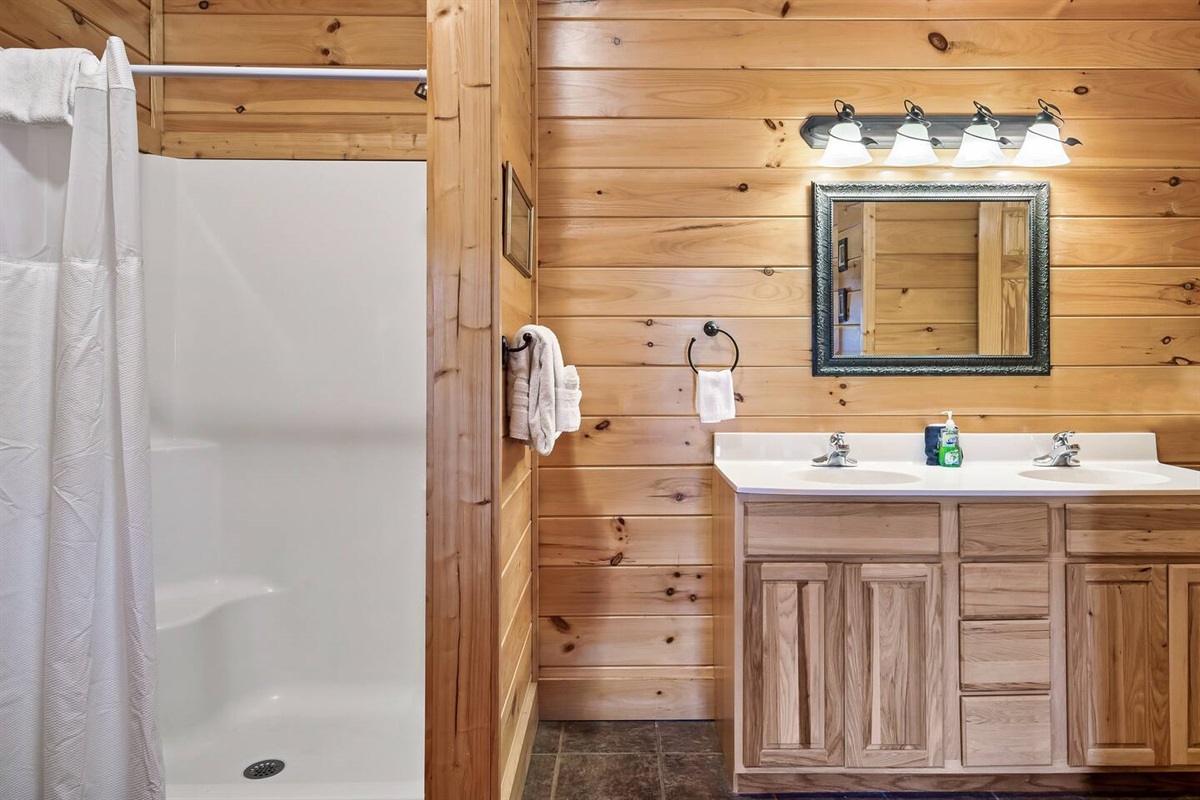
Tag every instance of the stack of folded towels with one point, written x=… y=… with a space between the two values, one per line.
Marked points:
x=543 y=394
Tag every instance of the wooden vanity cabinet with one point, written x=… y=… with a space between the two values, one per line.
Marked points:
x=793 y=675
x=1133 y=634
x=946 y=644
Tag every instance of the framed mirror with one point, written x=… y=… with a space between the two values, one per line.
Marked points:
x=931 y=278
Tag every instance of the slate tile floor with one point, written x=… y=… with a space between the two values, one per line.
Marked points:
x=653 y=761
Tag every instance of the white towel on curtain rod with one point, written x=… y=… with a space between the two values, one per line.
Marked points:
x=77 y=633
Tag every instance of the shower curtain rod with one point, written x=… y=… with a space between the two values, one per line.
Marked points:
x=305 y=73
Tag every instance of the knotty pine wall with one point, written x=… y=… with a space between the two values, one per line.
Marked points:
x=238 y=118
x=87 y=24
x=517 y=530
x=674 y=188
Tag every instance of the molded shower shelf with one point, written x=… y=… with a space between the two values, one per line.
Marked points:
x=184 y=603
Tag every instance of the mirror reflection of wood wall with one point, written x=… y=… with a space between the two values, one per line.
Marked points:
x=934 y=278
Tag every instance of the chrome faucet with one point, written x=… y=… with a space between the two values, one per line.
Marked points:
x=838 y=455
x=1064 y=453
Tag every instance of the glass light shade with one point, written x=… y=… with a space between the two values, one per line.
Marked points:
x=1044 y=150
x=912 y=147
x=845 y=148
x=979 y=148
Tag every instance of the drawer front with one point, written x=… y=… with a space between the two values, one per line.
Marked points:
x=996 y=529
x=1006 y=731
x=808 y=529
x=1133 y=530
x=1005 y=590
x=1005 y=655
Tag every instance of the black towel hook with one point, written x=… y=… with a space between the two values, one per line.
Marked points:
x=711 y=328
x=505 y=349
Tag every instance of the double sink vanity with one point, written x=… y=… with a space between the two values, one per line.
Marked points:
x=998 y=626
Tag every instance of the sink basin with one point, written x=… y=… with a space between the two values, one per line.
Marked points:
x=1094 y=476
x=855 y=476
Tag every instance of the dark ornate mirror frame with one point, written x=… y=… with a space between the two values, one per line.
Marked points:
x=826 y=362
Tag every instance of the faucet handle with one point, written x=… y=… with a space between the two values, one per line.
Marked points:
x=838 y=439
x=1063 y=438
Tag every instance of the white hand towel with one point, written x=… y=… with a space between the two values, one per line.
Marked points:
x=714 y=395
x=37 y=87
x=566 y=401
x=545 y=369
x=518 y=394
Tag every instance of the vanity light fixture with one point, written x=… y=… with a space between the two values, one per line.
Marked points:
x=847 y=146
x=980 y=145
x=913 y=146
x=1042 y=146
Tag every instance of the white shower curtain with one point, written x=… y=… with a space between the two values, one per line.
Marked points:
x=77 y=637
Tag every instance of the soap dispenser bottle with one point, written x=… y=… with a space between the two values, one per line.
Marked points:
x=949 y=451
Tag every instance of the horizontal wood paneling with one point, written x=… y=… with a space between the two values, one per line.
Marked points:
x=774 y=143
x=675 y=188
x=757 y=94
x=668 y=292
x=866 y=9
x=296 y=39
x=602 y=491
x=785 y=241
x=236 y=118
x=902 y=44
x=81 y=23
x=262 y=96
x=621 y=539
x=663 y=441
x=290 y=145
x=608 y=591
x=635 y=693
x=1150 y=291
x=377 y=8
x=765 y=192
x=624 y=641
x=775 y=391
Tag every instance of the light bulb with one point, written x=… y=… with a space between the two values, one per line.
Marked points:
x=1042 y=147
x=845 y=148
x=912 y=147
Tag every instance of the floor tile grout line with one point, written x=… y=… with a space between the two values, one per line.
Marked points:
x=562 y=733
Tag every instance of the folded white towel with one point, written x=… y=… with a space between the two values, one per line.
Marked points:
x=37 y=87
x=566 y=401
x=714 y=395
x=518 y=394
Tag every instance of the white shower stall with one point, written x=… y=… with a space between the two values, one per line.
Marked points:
x=286 y=329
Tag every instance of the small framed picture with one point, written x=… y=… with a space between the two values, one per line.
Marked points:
x=843 y=251
x=518 y=223
x=843 y=311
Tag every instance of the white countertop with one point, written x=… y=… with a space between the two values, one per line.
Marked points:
x=994 y=465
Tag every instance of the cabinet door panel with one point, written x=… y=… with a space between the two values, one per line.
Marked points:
x=894 y=656
x=793 y=680
x=1117 y=658
x=1183 y=613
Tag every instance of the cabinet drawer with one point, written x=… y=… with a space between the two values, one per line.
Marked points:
x=1006 y=731
x=1001 y=529
x=1005 y=655
x=1005 y=590
x=1167 y=530
x=808 y=529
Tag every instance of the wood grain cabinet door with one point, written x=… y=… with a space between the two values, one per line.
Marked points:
x=793 y=665
x=1117 y=662
x=1183 y=615
x=894 y=691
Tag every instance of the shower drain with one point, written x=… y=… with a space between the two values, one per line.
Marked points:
x=266 y=768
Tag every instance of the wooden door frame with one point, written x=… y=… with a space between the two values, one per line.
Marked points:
x=462 y=508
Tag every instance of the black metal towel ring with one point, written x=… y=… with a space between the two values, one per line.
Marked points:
x=505 y=349
x=712 y=329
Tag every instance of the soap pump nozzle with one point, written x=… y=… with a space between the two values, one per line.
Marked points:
x=950 y=424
